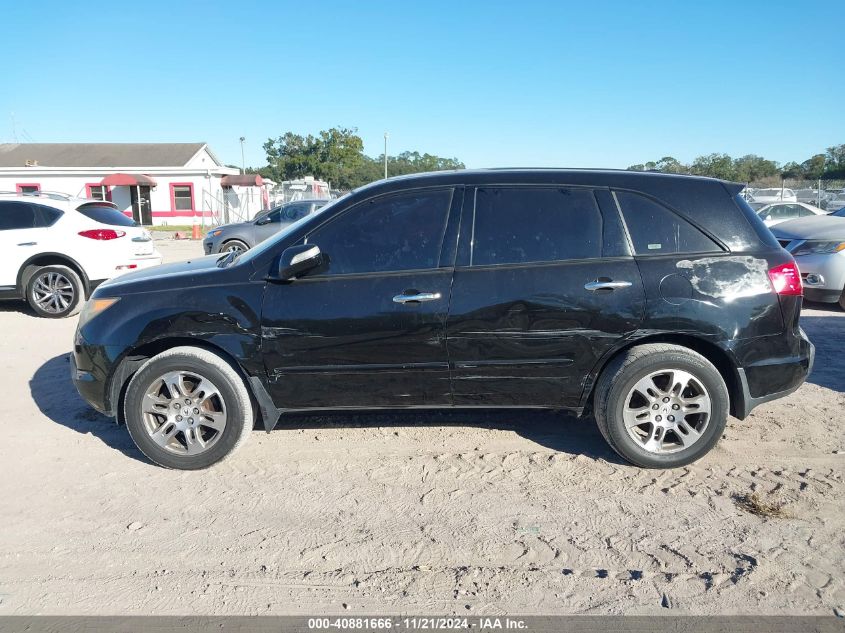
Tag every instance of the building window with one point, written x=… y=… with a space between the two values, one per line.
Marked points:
x=98 y=192
x=182 y=197
x=31 y=187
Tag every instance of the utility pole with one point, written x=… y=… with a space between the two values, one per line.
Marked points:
x=243 y=164
x=385 y=154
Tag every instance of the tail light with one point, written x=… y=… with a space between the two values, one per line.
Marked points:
x=786 y=279
x=102 y=234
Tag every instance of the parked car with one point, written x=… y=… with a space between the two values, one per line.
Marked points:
x=774 y=195
x=57 y=249
x=467 y=289
x=242 y=236
x=814 y=197
x=779 y=212
x=836 y=202
x=818 y=245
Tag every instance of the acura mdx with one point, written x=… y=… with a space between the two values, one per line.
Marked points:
x=657 y=304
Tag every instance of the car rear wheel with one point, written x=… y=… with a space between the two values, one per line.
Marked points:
x=187 y=408
x=55 y=292
x=236 y=246
x=842 y=300
x=661 y=406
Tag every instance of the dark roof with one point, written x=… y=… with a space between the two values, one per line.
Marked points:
x=98 y=154
x=620 y=178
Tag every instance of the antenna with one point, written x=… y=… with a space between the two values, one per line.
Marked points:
x=14 y=128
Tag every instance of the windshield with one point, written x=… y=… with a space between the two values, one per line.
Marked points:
x=840 y=213
x=270 y=244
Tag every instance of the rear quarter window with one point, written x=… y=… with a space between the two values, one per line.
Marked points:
x=106 y=215
x=45 y=216
x=656 y=230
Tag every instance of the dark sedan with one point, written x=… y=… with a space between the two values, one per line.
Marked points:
x=242 y=236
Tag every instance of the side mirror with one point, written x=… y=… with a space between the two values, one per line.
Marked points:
x=297 y=260
x=264 y=220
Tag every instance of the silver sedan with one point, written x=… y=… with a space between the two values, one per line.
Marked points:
x=818 y=245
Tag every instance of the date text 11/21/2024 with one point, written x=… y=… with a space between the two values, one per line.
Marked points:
x=417 y=623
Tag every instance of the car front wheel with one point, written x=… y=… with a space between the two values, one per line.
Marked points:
x=187 y=408
x=661 y=406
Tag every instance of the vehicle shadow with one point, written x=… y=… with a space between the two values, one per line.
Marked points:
x=56 y=397
x=14 y=305
x=550 y=429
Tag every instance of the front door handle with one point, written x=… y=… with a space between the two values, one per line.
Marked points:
x=417 y=297
x=28 y=244
x=606 y=285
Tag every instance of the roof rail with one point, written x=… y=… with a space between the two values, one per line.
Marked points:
x=52 y=195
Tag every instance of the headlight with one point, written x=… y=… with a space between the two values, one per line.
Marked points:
x=95 y=307
x=214 y=233
x=819 y=248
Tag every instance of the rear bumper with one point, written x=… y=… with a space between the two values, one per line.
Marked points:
x=774 y=378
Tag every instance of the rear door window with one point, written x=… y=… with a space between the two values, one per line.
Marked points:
x=106 y=215
x=518 y=225
x=16 y=215
x=656 y=230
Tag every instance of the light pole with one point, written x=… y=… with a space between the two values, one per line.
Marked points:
x=385 y=154
x=243 y=164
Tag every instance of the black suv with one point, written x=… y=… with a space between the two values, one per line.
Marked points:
x=657 y=303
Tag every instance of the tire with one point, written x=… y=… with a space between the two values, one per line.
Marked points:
x=55 y=292
x=842 y=300
x=661 y=438
x=234 y=245
x=197 y=439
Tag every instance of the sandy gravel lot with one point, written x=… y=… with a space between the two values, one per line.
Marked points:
x=427 y=513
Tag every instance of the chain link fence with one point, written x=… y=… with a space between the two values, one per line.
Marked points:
x=828 y=195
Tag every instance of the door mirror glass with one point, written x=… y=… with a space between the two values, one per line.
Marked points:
x=298 y=260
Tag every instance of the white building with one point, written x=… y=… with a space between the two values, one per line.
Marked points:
x=155 y=183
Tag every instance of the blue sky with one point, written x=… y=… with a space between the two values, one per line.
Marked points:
x=529 y=83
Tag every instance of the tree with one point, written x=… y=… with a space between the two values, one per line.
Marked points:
x=791 y=170
x=667 y=165
x=715 y=166
x=337 y=156
x=751 y=168
x=334 y=155
x=814 y=167
x=835 y=162
x=671 y=165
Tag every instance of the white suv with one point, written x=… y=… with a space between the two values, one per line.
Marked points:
x=54 y=249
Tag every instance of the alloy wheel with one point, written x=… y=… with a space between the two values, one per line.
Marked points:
x=667 y=411
x=53 y=292
x=184 y=413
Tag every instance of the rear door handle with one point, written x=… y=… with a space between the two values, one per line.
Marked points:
x=606 y=285
x=418 y=297
x=28 y=244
